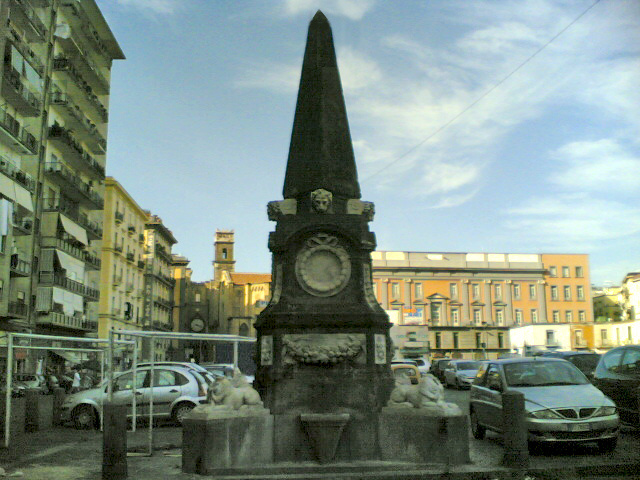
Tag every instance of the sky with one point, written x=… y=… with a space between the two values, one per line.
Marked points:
x=500 y=126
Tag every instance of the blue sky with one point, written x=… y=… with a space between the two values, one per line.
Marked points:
x=549 y=161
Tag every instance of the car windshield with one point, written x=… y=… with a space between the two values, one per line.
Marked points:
x=442 y=364
x=540 y=373
x=468 y=365
x=404 y=371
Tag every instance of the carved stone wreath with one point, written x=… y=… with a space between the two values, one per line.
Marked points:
x=323 y=267
x=321 y=349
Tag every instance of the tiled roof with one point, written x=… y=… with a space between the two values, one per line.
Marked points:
x=244 y=278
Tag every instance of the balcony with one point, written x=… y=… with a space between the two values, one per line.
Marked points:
x=131 y=230
x=23 y=14
x=80 y=60
x=85 y=92
x=82 y=23
x=163 y=302
x=117 y=280
x=84 y=128
x=606 y=343
x=15 y=136
x=73 y=186
x=94 y=230
x=118 y=248
x=131 y=257
x=74 y=152
x=161 y=325
x=161 y=252
x=22 y=225
x=90 y=260
x=16 y=91
x=552 y=342
x=13 y=172
x=19 y=267
x=17 y=310
x=141 y=264
x=55 y=319
x=26 y=52
x=119 y=216
x=141 y=238
x=129 y=287
x=58 y=279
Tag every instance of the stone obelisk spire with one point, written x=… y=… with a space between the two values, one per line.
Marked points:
x=323 y=340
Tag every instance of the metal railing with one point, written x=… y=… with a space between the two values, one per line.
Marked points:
x=13 y=172
x=29 y=13
x=30 y=101
x=17 y=131
x=64 y=137
x=79 y=186
x=63 y=64
x=74 y=251
x=74 y=286
x=72 y=211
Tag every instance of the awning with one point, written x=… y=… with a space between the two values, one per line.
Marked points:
x=74 y=230
x=73 y=266
x=72 y=357
x=15 y=192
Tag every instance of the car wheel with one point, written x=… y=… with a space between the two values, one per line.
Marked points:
x=477 y=430
x=181 y=410
x=84 y=417
x=608 y=445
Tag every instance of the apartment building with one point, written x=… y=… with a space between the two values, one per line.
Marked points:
x=608 y=304
x=630 y=293
x=469 y=301
x=55 y=83
x=123 y=261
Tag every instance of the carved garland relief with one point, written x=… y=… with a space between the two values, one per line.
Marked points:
x=322 y=348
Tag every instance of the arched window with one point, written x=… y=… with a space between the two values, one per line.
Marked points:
x=243 y=331
x=224 y=253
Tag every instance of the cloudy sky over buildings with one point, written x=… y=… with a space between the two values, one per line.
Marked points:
x=486 y=126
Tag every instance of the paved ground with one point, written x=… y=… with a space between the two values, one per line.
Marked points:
x=68 y=454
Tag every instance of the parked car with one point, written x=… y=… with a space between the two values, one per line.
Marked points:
x=618 y=376
x=461 y=373
x=561 y=405
x=585 y=361
x=30 y=381
x=188 y=365
x=406 y=369
x=423 y=365
x=438 y=366
x=224 y=370
x=176 y=390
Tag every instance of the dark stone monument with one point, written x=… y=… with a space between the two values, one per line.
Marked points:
x=323 y=340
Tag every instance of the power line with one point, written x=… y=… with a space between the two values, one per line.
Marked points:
x=476 y=101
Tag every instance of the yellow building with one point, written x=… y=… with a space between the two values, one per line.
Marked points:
x=123 y=264
x=469 y=301
x=608 y=304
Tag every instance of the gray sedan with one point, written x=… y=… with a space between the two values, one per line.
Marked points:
x=560 y=403
x=461 y=373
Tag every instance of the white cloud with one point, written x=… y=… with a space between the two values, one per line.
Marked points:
x=276 y=77
x=352 y=9
x=597 y=166
x=163 y=7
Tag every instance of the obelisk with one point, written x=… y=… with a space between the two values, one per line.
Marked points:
x=323 y=340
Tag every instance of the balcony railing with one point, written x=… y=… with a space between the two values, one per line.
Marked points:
x=131 y=230
x=17 y=309
x=77 y=189
x=129 y=287
x=74 y=322
x=54 y=242
x=163 y=302
x=131 y=257
x=83 y=22
x=161 y=325
x=62 y=64
x=580 y=343
x=141 y=238
x=26 y=52
x=94 y=230
x=75 y=117
x=118 y=248
x=26 y=17
x=119 y=216
x=68 y=284
x=161 y=252
x=11 y=171
x=141 y=264
x=18 y=138
x=117 y=280
x=69 y=145
x=22 y=224
x=13 y=88
x=19 y=267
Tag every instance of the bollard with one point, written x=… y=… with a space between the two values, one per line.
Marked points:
x=58 y=400
x=32 y=410
x=516 y=453
x=114 y=442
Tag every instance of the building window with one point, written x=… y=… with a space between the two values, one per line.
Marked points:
x=582 y=316
x=498 y=292
x=551 y=337
x=438 y=340
x=534 y=315
x=579 y=272
x=556 y=316
x=453 y=291
x=395 y=291
x=554 y=292
x=516 y=291
x=568 y=316
x=500 y=340
x=580 y=290
x=532 y=291
x=455 y=316
x=579 y=340
x=478 y=340
x=419 y=293
x=197 y=298
x=456 y=340
x=436 y=308
x=476 y=291
x=500 y=317
x=477 y=316
x=553 y=271
x=518 y=317
x=567 y=292
x=565 y=272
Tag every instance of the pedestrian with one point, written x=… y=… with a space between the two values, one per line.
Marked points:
x=75 y=386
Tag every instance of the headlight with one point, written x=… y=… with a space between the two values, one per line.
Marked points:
x=605 y=411
x=545 y=414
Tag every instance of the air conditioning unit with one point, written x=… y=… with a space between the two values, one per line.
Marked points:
x=27 y=223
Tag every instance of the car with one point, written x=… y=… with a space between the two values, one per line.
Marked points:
x=618 y=376
x=29 y=381
x=423 y=365
x=438 y=366
x=461 y=373
x=224 y=370
x=406 y=369
x=585 y=361
x=561 y=405
x=188 y=365
x=176 y=391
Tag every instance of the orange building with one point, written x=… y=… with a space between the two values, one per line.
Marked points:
x=469 y=301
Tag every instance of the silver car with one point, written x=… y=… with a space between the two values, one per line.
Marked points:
x=176 y=390
x=560 y=403
x=461 y=373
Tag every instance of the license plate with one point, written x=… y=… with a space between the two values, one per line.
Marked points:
x=578 y=427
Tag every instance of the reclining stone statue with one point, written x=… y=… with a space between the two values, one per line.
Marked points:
x=233 y=394
x=428 y=396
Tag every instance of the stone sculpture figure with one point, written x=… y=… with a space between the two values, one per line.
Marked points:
x=233 y=394
x=427 y=395
x=321 y=200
